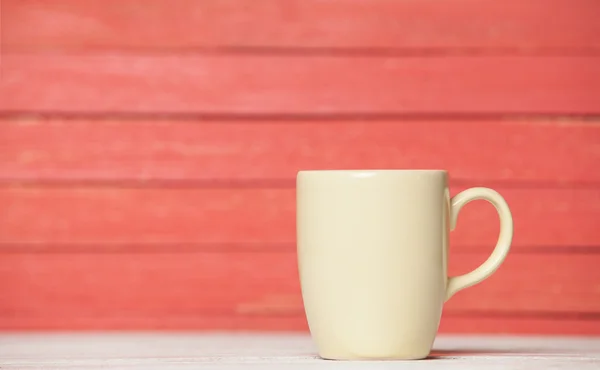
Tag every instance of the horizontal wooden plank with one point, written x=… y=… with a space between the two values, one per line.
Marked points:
x=54 y=150
x=494 y=324
x=260 y=217
x=288 y=85
x=188 y=286
x=464 y=24
x=518 y=325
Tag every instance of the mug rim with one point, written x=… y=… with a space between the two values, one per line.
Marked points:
x=350 y=171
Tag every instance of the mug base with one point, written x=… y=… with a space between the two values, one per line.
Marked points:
x=373 y=357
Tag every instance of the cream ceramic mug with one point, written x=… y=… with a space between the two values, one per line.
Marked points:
x=372 y=256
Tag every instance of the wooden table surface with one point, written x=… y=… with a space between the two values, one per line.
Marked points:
x=276 y=351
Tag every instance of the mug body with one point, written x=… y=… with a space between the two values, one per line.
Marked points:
x=372 y=256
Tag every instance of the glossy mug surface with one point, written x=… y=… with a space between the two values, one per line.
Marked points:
x=373 y=255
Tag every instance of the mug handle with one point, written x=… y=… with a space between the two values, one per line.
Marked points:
x=456 y=283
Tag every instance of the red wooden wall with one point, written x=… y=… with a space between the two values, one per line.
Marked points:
x=148 y=150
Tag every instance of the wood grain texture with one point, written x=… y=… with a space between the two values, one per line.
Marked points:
x=174 y=285
x=524 y=26
x=273 y=351
x=463 y=324
x=34 y=217
x=299 y=85
x=208 y=152
x=534 y=324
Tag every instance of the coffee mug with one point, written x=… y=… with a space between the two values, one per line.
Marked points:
x=373 y=256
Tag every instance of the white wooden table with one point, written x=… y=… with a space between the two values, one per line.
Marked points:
x=149 y=351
